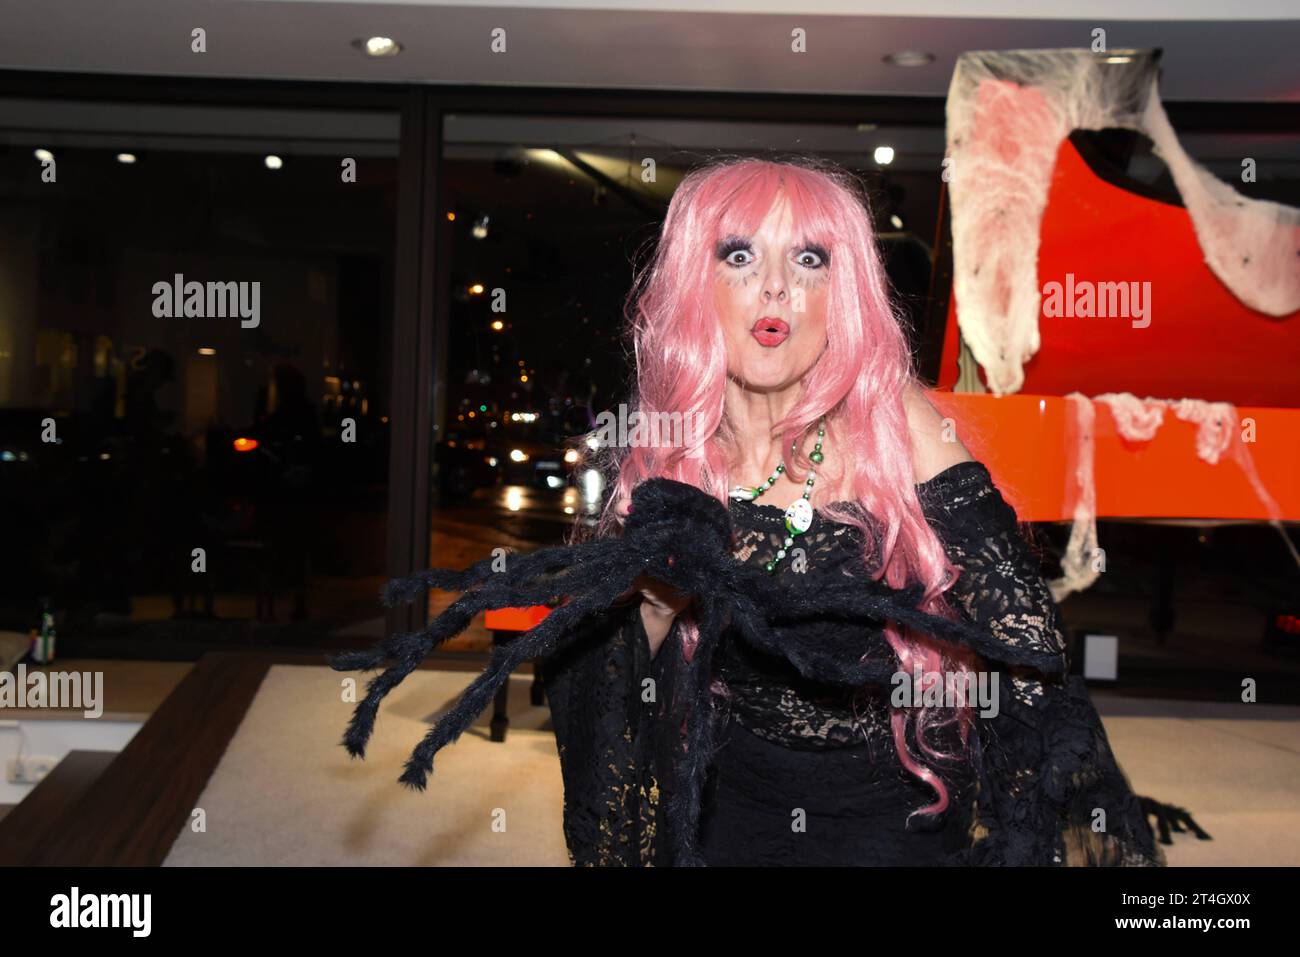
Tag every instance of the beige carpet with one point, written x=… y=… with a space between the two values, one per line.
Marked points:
x=286 y=793
x=1235 y=767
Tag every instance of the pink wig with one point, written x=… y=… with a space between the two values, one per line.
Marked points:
x=858 y=383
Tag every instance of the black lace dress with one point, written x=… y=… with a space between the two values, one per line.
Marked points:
x=808 y=774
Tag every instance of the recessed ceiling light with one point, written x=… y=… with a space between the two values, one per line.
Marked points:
x=273 y=162
x=1117 y=56
x=378 y=46
x=126 y=157
x=43 y=155
x=909 y=58
x=884 y=155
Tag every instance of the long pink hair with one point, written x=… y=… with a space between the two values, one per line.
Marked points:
x=858 y=383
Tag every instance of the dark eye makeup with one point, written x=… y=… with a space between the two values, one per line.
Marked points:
x=820 y=251
x=732 y=244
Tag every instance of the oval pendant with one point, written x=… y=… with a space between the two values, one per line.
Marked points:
x=798 y=516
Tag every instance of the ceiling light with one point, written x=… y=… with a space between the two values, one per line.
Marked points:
x=126 y=157
x=273 y=162
x=909 y=58
x=45 y=156
x=884 y=155
x=1125 y=55
x=378 y=46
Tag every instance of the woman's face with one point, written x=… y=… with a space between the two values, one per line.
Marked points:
x=770 y=293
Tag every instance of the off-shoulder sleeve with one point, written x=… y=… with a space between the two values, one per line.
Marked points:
x=606 y=694
x=1050 y=791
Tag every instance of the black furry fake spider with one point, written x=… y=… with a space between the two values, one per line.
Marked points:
x=680 y=535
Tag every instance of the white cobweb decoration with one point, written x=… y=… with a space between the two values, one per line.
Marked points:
x=1007 y=113
x=1138 y=420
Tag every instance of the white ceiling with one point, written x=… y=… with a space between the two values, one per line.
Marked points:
x=1242 y=51
x=1033 y=9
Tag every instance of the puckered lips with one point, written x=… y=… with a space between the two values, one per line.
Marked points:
x=770 y=331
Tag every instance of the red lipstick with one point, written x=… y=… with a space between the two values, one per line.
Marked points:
x=770 y=331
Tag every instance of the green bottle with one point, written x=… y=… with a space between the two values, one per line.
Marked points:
x=43 y=646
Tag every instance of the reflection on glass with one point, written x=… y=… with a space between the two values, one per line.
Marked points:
x=547 y=220
x=195 y=354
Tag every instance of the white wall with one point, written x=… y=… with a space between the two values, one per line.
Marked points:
x=52 y=737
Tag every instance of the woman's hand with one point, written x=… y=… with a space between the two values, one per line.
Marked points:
x=660 y=605
x=660 y=602
x=663 y=600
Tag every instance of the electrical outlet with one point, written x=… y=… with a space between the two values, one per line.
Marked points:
x=29 y=770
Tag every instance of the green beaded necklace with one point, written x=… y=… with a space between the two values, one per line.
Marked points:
x=799 y=513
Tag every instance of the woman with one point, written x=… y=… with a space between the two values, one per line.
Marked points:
x=765 y=321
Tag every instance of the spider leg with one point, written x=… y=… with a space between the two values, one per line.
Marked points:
x=540 y=640
x=502 y=590
x=409 y=650
x=824 y=660
x=686 y=797
x=518 y=568
x=404 y=590
x=877 y=602
x=1167 y=816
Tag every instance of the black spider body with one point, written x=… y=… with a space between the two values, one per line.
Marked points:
x=682 y=536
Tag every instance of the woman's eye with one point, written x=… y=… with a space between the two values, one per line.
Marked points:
x=731 y=257
x=807 y=254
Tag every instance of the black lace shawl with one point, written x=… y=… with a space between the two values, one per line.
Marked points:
x=1048 y=789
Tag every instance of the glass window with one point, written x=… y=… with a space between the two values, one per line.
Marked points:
x=549 y=217
x=195 y=356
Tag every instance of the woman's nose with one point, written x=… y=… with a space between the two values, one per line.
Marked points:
x=774 y=284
